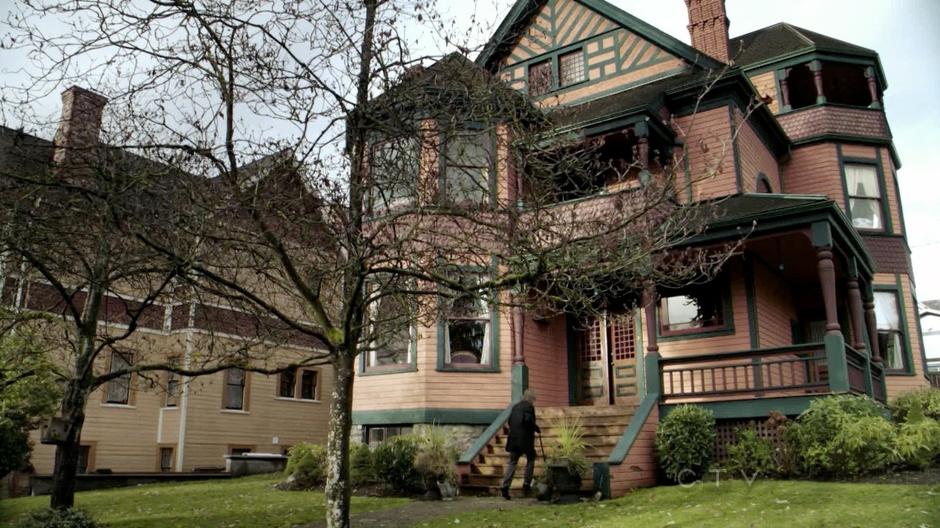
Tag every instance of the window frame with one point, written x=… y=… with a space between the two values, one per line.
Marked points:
x=722 y=283
x=246 y=391
x=442 y=180
x=492 y=320
x=297 y=385
x=130 y=400
x=584 y=67
x=171 y=399
x=905 y=341
x=883 y=206
x=160 y=450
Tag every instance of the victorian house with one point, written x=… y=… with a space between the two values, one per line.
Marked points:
x=820 y=299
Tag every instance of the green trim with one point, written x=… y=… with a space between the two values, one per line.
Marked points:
x=619 y=88
x=836 y=362
x=520 y=381
x=495 y=424
x=750 y=292
x=844 y=138
x=654 y=382
x=425 y=415
x=920 y=336
x=640 y=353
x=633 y=430
x=898 y=289
x=759 y=408
x=821 y=234
x=809 y=54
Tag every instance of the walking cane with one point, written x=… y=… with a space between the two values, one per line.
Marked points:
x=542 y=447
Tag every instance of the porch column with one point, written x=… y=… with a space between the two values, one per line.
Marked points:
x=817 y=69
x=642 y=132
x=857 y=313
x=783 y=77
x=651 y=362
x=520 y=372
x=872 y=87
x=834 y=340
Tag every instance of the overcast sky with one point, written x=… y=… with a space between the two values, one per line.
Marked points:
x=902 y=31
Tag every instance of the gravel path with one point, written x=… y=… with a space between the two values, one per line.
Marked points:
x=414 y=513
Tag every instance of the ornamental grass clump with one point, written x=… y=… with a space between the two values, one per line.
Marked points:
x=436 y=458
x=570 y=447
x=685 y=443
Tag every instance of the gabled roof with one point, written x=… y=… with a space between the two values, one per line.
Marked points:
x=523 y=11
x=782 y=39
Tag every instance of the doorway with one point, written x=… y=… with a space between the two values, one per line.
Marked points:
x=605 y=349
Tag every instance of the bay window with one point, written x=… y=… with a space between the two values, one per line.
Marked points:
x=393 y=169
x=393 y=334
x=467 y=167
x=699 y=308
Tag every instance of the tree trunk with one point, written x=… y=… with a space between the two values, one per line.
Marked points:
x=338 y=487
x=67 y=453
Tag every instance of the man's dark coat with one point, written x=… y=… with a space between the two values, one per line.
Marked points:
x=522 y=429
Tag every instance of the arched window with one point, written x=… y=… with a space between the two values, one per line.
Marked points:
x=763 y=184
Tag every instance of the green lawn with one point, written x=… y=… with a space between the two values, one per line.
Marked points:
x=732 y=504
x=244 y=502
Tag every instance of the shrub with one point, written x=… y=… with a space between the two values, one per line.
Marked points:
x=306 y=466
x=913 y=405
x=360 y=465
x=436 y=458
x=393 y=462
x=751 y=455
x=685 y=442
x=56 y=518
x=918 y=443
x=842 y=436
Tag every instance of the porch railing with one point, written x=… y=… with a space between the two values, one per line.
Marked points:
x=878 y=383
x=856 y=361
x=791 y=370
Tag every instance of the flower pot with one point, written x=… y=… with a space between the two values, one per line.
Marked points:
x=567 y=483
x=448 y=489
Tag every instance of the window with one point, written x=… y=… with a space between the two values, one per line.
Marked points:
x=394 y=170
x=166 y=459
x=467 y=167
x=762 y=186
x=234 y=395
x=890 y=332
x=308 y=385
x=540 y=78
x=374 y=435
x=393 y=333
x=698 y=308
x=298 y=384
x=286 y=384
x=119 y=389
x=467 y=332
x=864 y=195
x=84 y=458
x=172 y=386
x=570 y=68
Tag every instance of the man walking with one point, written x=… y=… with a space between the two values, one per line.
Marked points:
x=521 y=441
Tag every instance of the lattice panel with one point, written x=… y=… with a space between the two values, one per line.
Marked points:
x=726 y=434
x=589 y=341
x=622 y=342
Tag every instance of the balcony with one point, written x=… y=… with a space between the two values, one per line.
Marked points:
x=834 y=120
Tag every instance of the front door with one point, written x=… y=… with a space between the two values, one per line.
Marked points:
x=606 y=353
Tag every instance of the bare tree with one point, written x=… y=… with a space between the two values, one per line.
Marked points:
x=382 y=192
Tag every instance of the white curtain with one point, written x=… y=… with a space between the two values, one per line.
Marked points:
x=886 y=311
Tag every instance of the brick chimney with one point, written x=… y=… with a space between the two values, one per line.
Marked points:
x=708 y=25
x=79 y=127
